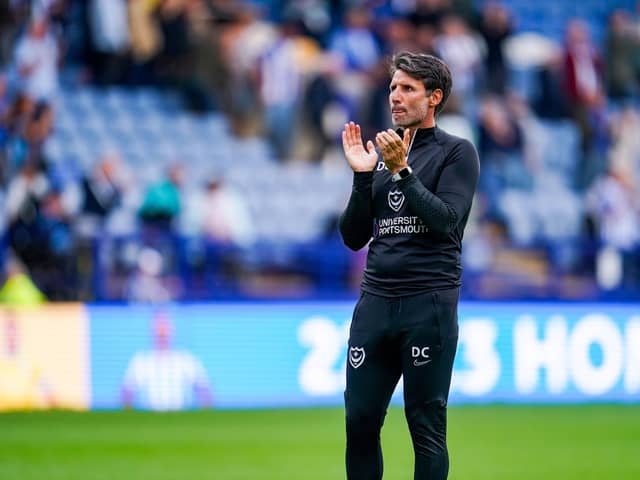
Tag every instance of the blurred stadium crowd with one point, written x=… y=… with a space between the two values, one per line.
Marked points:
x=157 y=150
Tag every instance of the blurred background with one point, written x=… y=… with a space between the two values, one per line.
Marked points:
x=170 y=181
x=185 y=150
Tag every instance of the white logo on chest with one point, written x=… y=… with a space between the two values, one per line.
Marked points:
x=396 y=199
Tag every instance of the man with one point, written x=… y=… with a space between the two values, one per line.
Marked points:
x=36 y=60
x=415 y=204
x=165 y=378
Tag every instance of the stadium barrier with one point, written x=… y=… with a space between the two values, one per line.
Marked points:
x=283 y=354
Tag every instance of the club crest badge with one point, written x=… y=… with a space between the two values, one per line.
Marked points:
x=396 y=200
x=356 y=356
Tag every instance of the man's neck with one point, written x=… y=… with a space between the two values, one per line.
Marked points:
x=428 y=122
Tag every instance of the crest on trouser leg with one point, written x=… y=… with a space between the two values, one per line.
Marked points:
x=356 y=356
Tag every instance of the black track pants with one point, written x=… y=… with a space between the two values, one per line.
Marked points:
x=416 y=337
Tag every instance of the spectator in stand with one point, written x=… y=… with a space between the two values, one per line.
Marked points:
x=354 y=42
x=177 y=60
x=397 y=34
x=315 y=15
x=584 y=87
x=160 y=214
x=226 y=217
x=14 y=14
x=501 y=146
x=227 y=227
x=58 y=268
x=101 y=192
x=38 y=129
x=5 y=107
x=323 y=108
x=613 y=206
x=636 y=53
x=622 y=43
x=108 y=20
x=39 y=231
x=243 y=38
x=174 y=63
x=425 y=38
x=281 y=89
x=145 y=39
x=5 y=101
x=148 y=283
x=161 y=204
x=18 y=288
x=624 y=155
x=100 y=198
x=36 y=57
x=431 y=12
x=25 y=192
x=7 y=24
x=461 y=49
x=495 y=27
x=356 y=45
x=209 y=66
x=14 y=142
x=19 y=112
x=551 y=102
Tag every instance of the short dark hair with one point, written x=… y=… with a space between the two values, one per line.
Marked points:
x=432 y=71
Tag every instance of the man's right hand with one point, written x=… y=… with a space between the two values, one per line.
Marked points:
x=359 y=158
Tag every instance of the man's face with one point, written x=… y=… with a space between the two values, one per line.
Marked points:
x=408 y=100
x=39 y=28
x=163 y=331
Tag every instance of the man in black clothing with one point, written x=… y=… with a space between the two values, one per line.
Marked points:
x=413 y=205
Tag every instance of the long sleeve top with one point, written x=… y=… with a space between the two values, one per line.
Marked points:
x=416 y=224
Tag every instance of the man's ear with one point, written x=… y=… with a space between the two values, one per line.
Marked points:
x=435 y=98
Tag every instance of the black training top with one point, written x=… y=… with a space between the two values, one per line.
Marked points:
x=416 y=223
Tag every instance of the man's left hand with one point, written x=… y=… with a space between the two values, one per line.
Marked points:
x=394 y=149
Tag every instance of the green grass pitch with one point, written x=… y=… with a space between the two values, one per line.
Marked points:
x=486 y=442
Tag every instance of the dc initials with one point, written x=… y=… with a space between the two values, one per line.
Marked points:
x=420 y=356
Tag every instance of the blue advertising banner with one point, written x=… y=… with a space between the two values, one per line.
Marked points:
x=246 y=355
x=548 y=353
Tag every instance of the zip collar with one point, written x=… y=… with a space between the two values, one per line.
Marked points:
x=420 y=136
